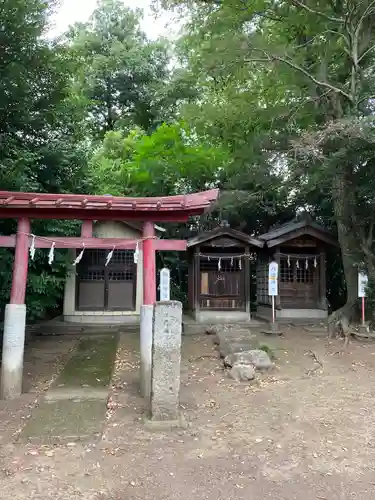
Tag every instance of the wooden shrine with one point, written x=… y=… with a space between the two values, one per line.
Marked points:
x=299 y=247
x=219 y=275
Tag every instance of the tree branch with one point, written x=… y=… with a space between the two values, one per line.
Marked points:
x=297 y=3
x=320 y=83
x=364 y=54
x=370 y=237
x=366 y=98
x=366 y=13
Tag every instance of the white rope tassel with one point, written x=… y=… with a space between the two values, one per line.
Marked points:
x=307 y=264
x=231 y=262
x=288 y=260
x=219 y=264
x=109 y=256
x=32 y=247
x=136 y=253
x=79 y=257
x=239 y=263
x=297 y=264
x=315 y=262
x=51 y=254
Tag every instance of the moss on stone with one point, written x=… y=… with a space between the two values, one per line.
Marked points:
x=91 y=364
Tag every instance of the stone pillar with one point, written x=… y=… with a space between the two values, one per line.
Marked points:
x=147 y=318
x=166 y=361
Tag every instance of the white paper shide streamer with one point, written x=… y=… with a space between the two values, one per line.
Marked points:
x=79 y=257
x=109 y=256
x=32 y=247
x=51 y=254
x=136 y=253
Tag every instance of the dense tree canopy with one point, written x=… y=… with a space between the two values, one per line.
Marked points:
x=41 y=148
x=272 y=101
x=122 y=75
x=304 y=70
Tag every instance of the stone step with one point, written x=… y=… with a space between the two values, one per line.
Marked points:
x=292 y=321
x=61 y=328
x=191 y=327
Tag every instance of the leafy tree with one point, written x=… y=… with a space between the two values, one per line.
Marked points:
x=169 y=161
x=120 y=73
x=40 y=136
x=316 y=62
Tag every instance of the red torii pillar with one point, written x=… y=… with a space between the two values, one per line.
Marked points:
x=15 y=317
x=147 y=308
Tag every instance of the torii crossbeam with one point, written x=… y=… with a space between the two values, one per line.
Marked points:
x=87 y=208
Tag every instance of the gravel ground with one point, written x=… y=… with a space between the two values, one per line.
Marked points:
x=305 y=431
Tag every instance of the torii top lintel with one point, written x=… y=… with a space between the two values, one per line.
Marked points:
x=88 y=207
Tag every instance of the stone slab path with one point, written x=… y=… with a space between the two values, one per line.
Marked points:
x=75 y=405
x=232 y=339
x=65 y=420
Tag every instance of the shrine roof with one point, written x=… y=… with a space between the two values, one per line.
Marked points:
x=224 y=231
x=296 y=228
x=91 y=207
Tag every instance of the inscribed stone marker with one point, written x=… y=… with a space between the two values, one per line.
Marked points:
x=166 y=361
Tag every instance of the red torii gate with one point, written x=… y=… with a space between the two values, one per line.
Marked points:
x=87 y=208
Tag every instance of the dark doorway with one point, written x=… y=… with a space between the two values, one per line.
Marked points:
x=299 y=284
x=106 y=288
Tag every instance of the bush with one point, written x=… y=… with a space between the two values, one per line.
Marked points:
x=268 y=350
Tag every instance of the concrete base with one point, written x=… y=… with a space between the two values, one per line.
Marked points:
x=207 y=316
x=272 y=329
x=165 y=425
x=288 y=315
x=74 y=394
x=90 y=318
x=13 y=347
x=363 y=329
x=147 y=318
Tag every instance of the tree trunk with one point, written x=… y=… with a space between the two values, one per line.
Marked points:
x=344 y=204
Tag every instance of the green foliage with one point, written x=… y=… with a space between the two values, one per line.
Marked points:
x=120 y=74
x=296 y=69
x=268 y=350
x=41 y=148
x=169 y=161
x=271 y=103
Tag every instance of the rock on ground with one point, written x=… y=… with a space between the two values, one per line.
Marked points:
x=256 y=357
x=241 y=372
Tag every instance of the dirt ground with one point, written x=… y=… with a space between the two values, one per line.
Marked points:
x=304 y=431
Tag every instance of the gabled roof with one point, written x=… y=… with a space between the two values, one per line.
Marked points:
x=297 y=228
x=224 y=231
x=88 y=207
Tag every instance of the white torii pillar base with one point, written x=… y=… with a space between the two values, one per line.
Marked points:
x=146 y=329
x=13 y=348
